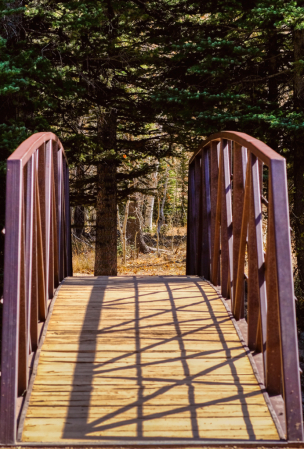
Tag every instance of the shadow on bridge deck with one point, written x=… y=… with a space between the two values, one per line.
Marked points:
x=144 y=359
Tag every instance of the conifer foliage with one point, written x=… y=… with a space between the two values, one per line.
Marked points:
x=170 y=71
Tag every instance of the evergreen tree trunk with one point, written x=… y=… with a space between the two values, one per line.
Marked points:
x=106 y=204
x=298 y=162
x=79 y=220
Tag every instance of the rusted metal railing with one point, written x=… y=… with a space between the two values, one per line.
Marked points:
x=37 y=257
x=228 y=242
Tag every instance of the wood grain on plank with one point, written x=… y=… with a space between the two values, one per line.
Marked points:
x=143 y=357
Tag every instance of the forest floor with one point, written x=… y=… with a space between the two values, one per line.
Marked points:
x=170 y=261
x=152 y=265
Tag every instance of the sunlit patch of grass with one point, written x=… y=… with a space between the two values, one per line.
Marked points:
x=83 y=262
x=170 y=261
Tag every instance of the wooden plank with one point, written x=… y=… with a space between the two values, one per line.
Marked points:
x=177 y=371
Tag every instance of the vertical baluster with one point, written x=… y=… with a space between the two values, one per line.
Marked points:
x=260 y=256
x=239 y=177
x=11 y=302
x=55 y=215
x=64 y=231
x=274 y=363
x=29 y=249
x=35 y=280
x=191 y=250
x=214 y=179
x=68 y=220
x=288 y=326
x=199 y=205
x=224 y=222
x=253 y=281
x=198 y=214
x=228 y=215
x=206 y=207
x=55 y=241
x=42 y=181
x=240 y=254
x=60 y=217
x=49 y=218
x=217 y=220
x=42 y=297
x=23 y=311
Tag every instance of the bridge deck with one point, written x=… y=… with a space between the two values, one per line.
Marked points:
x=143 y=358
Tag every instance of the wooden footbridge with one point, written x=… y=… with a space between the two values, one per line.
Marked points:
x=209 y=358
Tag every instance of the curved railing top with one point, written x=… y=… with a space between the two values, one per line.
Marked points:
x=256 y=146
x=27 y=148
x=37 y=258
x=239 y=238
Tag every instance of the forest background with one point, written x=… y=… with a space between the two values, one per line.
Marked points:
x=132 y=87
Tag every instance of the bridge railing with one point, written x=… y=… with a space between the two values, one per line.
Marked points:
x=37 y=257
x=240 y=240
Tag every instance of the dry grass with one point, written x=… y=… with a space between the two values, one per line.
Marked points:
x=152 y=265
x=176 y=231
x=146 y=264
x=83 y=262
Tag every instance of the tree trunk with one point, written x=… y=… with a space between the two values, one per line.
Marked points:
x=162 y=219
x=106 y=204
x=124 y=232
x=150 y=202
x=298 y=162
x=134 y=226
x=149 y=212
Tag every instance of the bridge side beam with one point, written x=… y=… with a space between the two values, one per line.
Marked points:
x=10 y=329
x=290 y=359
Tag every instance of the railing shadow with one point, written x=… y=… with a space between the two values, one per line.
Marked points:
x=121 y=372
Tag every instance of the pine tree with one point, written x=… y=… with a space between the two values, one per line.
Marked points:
x=238 y=65
x=90 y=61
